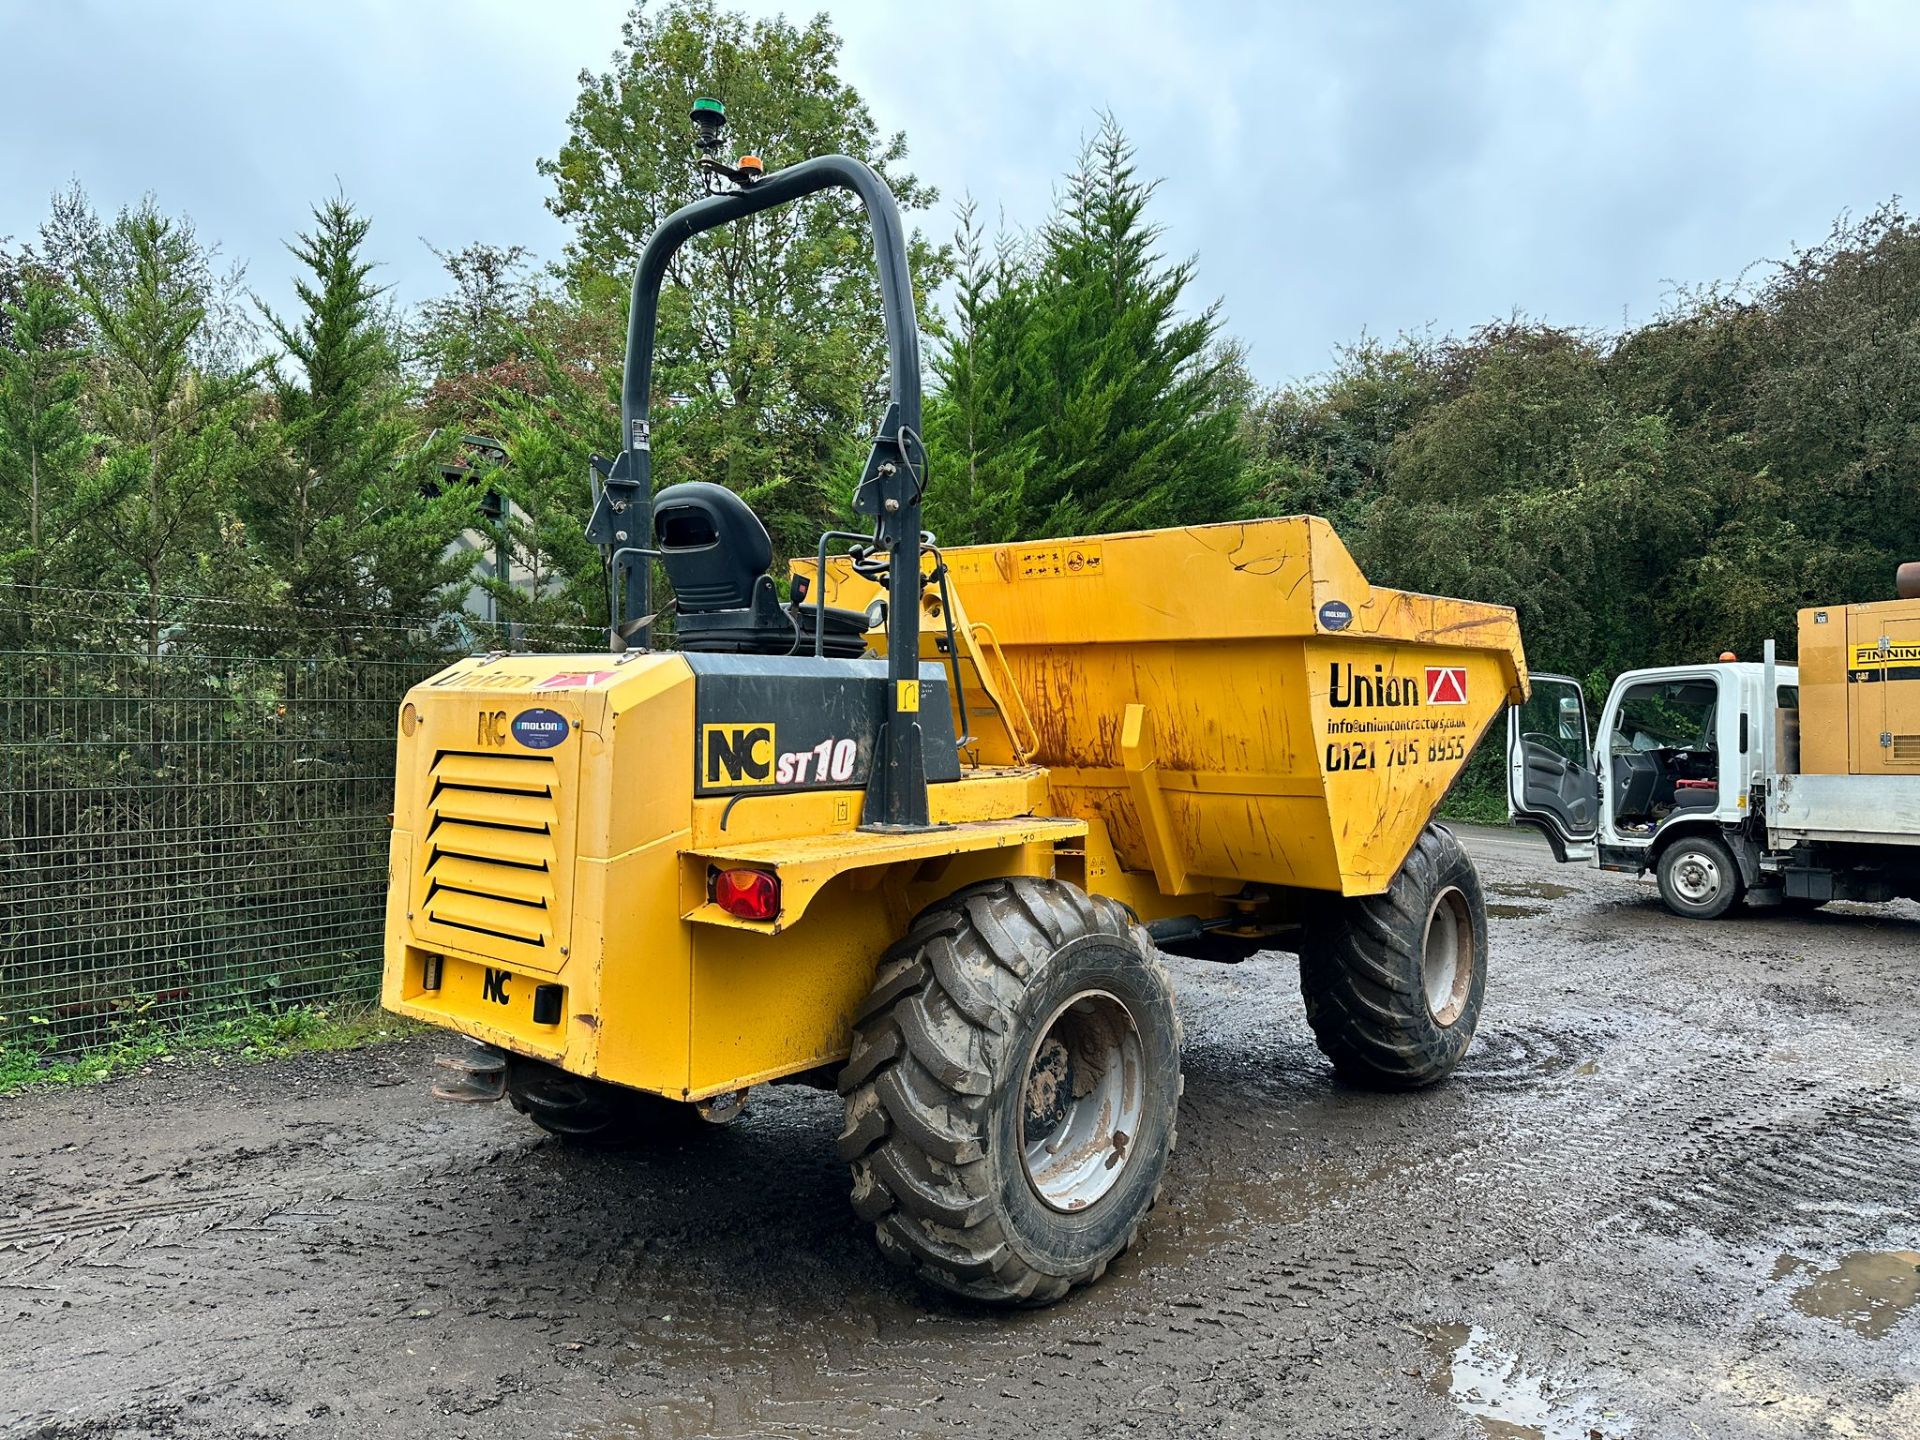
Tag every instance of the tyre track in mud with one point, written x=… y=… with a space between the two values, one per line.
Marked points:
x=1653 y=1111
x=1754 y=1112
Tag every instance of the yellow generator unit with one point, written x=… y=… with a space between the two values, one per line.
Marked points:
x=1860 y=685
x=920 y=830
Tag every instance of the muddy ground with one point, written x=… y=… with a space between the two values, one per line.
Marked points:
x=1675 y=1191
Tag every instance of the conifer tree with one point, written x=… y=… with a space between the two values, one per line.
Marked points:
x=981 y=429
x=176 y=433
x=1076 y=394
x=43 y=436
x=558 y=594
x=351 y=514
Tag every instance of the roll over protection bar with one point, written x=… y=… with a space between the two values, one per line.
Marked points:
x=890 y=487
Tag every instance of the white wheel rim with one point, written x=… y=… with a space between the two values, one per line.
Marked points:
x=1696 y=877
x=1446 y=955
x=1082 y=1096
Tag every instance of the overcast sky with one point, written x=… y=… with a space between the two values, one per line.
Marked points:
x=1335 y=168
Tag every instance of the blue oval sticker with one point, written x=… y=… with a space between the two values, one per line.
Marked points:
x=540 y=729
x=1336 y=615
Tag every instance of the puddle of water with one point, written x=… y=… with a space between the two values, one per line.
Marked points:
x=1867 y=1291
x=1514 y=912
x=1486 y=1381
x=1533 y=890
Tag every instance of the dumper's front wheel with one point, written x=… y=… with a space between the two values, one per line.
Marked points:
x=1012 y=1091
x=1393 y=982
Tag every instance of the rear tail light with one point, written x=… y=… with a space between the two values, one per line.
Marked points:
x=747 y=894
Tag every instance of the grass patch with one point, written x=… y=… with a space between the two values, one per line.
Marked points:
x=267 y=1034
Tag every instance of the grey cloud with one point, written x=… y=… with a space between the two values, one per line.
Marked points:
x=1333 y=167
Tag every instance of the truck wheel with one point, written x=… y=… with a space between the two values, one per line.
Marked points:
x=1393 y=982
x=1012 y=1091
x=582 y=1111
x=1698 y=877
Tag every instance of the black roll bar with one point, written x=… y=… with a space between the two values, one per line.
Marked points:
x=890 y=488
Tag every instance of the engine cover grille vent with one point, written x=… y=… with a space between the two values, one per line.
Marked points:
x=490 y=849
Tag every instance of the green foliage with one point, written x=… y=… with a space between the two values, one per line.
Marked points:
x=177 y=424
x=1322 y=448
x=44 y=443
x=1075 y=394
x=982 y=439
x=770 y=343
x=269 y=1033
x=477 y=326
x=349 y=512
x=1835 y=409
x=550 y=437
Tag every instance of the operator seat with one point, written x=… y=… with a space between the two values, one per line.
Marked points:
x=717 y=554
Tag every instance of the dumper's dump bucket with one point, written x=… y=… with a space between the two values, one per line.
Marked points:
x=1235 y=701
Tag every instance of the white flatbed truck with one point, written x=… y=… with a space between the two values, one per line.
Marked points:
x=1697 y=772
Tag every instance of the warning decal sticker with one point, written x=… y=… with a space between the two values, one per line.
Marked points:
x=1446 y=685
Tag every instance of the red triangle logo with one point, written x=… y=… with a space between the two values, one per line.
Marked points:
x=1446 y=685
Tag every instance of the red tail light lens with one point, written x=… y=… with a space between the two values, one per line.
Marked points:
x=748 y=894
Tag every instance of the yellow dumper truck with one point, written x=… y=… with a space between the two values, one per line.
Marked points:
x=918 y=829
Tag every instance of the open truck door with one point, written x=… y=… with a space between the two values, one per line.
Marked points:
x=1552 y=785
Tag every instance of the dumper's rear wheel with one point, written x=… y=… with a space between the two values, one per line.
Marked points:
x=584 y=1111
x=1012 y=1091
x=1393 y=982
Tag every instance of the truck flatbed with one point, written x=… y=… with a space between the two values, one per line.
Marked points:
x=1845 y=809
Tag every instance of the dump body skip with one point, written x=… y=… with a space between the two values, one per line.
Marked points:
x=1233 y=703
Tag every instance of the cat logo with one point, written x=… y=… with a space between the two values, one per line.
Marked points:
x=737 y=754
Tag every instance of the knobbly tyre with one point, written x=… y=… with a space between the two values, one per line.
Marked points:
x=920 y=830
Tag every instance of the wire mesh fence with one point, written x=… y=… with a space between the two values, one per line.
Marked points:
x=195 y=795
x=185 y=836
x=189 y=836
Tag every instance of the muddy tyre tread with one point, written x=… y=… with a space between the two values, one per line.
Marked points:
x=928 y=1048
x=1360 y=973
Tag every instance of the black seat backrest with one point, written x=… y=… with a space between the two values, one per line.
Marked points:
x=713 y=546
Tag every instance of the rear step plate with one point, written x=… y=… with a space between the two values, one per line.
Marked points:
x=476 y=1076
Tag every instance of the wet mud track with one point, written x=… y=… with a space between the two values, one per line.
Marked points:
x=1675 y=1190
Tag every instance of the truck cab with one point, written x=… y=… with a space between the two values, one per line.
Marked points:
x=1666 y=784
